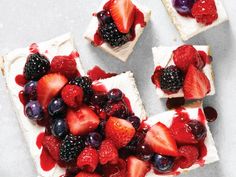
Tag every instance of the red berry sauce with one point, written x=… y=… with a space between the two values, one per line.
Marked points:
x=97 y=73
x=34 y=48
x=173 y=103
x=20 y=80
x=211 y=114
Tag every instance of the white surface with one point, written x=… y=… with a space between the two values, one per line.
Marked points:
x=23 y=22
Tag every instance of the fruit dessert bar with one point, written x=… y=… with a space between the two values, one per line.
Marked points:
x=192 y=17
x=117 y=26
x=181 y=141
x=184 y=71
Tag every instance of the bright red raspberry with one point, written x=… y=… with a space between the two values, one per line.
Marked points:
x=52 y=144
x=188 y=156
x=108 y=152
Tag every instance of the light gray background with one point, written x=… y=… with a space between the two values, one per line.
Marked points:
x=25 y=21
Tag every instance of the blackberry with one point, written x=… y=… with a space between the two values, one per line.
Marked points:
x=112 y=35
x=171 y=79
x=70 y=147
x=36 y=66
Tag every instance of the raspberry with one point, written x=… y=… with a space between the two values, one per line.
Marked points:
x=72 y=95
x=108 y=152
x=188 y=156
x=204 y=11
x=52 y=145
x=64 y=65
x=88 y=159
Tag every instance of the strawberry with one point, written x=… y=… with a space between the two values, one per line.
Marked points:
x=204 y=11
x=65 y=65
x=188 y=156
x=84 y=174
x=52 y=144
x=115 y=170
x=136 y=167
x=205 y=57
x=72 y=95
x=49 y=86
x=186 y=55
x=122 y=12
x=82 y=121
x=108 y=152
x=88 y=159
x=196 y=84
x=161 y=141
x=120 y=131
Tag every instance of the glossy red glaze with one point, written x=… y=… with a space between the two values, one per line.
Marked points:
x=97 y=73
x=46 y=161
x=39 y=140
x=34 y=48
x=211 y=114
x=22 y=98
x=20 y=80
x=156 y=76
x=127 y=102
x=201 y=116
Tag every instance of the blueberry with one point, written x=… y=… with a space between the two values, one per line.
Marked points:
x=59 y=128
x=197 y=129
x=135 y=121
x=57 y=107
x=115 y=95
x=30 y=90
x=104 y=17
x=94 y=139
x=163 y=164
x=33 y=110
x=183 y=6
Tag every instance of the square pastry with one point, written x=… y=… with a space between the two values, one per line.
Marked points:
x=117 y=26
x=188 y=126
x=184 y=71
x=193 y=17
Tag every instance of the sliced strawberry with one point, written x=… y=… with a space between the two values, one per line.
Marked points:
x=120 y=131
x=161 y=141
x=108 y=152
x=122 y=12
x=136 y=167
x=196 y=84
x=52 y=144
x=115 y=170
x=82 y=121
x=88 y=159
x=84 y=174
x=49 y=86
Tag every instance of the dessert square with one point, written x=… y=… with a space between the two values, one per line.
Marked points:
x=202 y=61
x=188 y=24
x=191 y=113
x=125 y=47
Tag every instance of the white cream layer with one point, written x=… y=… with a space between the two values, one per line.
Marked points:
x=188 y=27
x=125 y=50
x=162 y=56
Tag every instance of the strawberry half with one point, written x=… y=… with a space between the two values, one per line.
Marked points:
x=196 y=84
x=161 y=141
x=120 y=131
x=82 y=121
x=136 y=167
x=49 y=86
x=122 y=12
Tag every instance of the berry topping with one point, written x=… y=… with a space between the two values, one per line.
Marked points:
x=196 y=84
x=210 y=113
x=70 y=147
x=135 y=121
x=52 y=144
x=187 y=55
x=171 y=79
x=36 y=66
x=157 y=76
x=88 y=160
x=111 y=35
x=173 y=103
x=59 y=128
x=144 y=152
x=99 y=99
x=104 y=17
x=82 y=121
x=93 y=139
x=72 y=95
x=161 y=141
x=108 y=152
x=33 y=110
x=163 y=164
x=57 y=107
x=188 y=156
x=49 y=86
x=120 y=131
x=115 y=170
x=136 y=167
x=97 y=73
x=84 y=174
x=204 y=11
x=30 y=90
x=198 y=129
x=101 y=127
x=115 y=95
x=122 y=12
x=183 y=7
x=118 y=109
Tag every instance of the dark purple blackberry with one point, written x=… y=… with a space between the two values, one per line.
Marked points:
x=70 y=147
x=36 y=66
x=171 y=79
